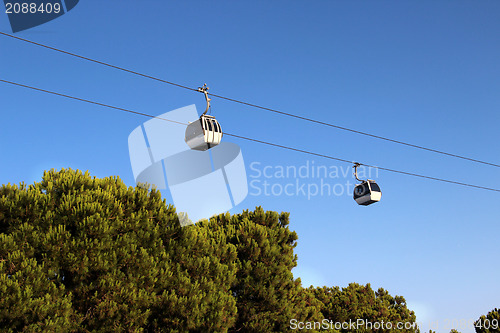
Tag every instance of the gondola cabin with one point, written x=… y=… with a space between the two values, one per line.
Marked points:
x=367 y=192
x=204 y=133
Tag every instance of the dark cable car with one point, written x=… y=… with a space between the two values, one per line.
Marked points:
x=367 y=192
x=205 y=132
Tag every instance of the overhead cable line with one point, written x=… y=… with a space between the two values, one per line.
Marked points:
x=255 y=140
x=86 y=100
x=258 y=106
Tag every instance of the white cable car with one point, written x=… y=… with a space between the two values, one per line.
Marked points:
x=205 y=132
x=367 y=192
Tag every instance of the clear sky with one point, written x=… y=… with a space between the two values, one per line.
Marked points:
x=424 y=72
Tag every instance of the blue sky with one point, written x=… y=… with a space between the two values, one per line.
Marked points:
x=423 y=72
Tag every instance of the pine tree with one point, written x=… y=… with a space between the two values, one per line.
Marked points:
x=360 y=303
x=88 y=254
x=489 y=323
x=267 y=295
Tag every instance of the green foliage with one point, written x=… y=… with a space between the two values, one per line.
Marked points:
x=489 y=323
x=81 y=254
x=360 y=303
x=266 y=293
x=92 y=253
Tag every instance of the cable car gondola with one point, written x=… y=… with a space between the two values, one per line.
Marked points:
x=367 y=192
x=205 y=132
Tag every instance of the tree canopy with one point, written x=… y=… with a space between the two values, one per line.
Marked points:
x=360 y=304
x=489 y=323
x=82 y=254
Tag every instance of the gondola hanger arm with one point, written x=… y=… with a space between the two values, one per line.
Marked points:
x=204 y=90
x=356 y=165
